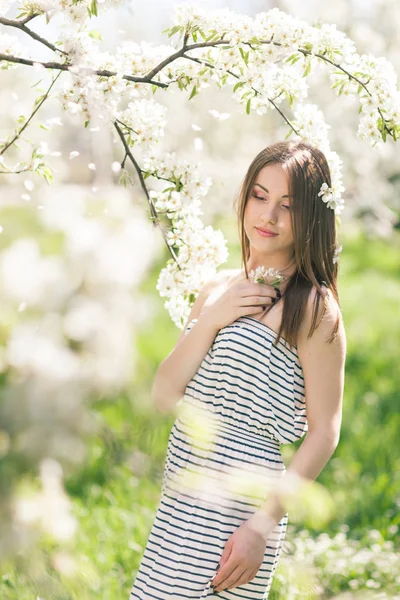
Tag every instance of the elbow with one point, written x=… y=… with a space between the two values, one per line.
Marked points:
x=327 y=437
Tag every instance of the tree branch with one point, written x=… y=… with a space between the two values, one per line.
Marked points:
x=154 y=216
x=350 y=76
x=180 y=53
x=22 y=26
x=25 y=125
x=66 y=67
x=205 y=63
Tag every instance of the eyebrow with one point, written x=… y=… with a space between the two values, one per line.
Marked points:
x=265 y=190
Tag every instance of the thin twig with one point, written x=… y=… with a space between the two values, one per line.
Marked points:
x=22 y=26
x=30 y=17
x=25 y=125
x=154 y=215
x=15 y=172
x=180 y=53
x=350 y=76
x=205 y=63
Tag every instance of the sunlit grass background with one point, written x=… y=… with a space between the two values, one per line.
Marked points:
x=116 y=492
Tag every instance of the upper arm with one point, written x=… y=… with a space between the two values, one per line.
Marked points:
x=323 y=365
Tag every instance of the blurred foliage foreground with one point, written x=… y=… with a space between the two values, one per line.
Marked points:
x=115 y=493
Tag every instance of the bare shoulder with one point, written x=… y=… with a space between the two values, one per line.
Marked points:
x=328 y=314
x=221 y=278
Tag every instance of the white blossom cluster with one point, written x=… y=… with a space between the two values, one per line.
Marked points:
x=266 y=60
x=50 y=508
x=381 y=99
x=270 y=276
x=146 y=120
x=82 y=294
x=77 y=12
x=69 y=311
x=200 y=249
x=10 y=45
x=335 y=564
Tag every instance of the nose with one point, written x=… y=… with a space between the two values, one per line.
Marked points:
x=269 y=213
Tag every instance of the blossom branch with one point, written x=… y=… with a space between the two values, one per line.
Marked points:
x=211 y=66
x=25 y=125
x=66 y=67
x=154 y=216
x=22 y=26
x=349 y=75
x=180 y=53
x=28 y=168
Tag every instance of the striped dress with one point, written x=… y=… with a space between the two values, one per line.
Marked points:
x=223 y=455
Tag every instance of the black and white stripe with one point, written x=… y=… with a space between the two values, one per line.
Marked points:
x=223 y=455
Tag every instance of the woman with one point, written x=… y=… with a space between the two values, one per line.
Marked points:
x=258 y=367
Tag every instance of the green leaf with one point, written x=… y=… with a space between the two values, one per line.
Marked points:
x=293 y=58
x=238 y=85
x=248 y=106
x=307 y=70
x=172 y=30
x=38 y=100
x=245 y=56
x=95 y=35
x=193 y=93
x=93 y=8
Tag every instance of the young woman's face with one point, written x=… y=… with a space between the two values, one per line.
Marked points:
x=268 y=208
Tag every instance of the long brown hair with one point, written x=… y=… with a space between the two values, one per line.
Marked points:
x=314 y=232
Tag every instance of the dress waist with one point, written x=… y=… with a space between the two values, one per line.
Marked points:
x=206 y=423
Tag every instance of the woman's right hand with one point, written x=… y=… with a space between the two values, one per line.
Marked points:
x=241 y=298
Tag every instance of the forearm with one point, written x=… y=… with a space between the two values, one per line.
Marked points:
x=178 y=368
x=307 y=463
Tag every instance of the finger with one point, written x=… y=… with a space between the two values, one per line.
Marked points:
x=225 y=554
x=258 y=300
x=225 y=571
x=228 y=581
x=253 y=573
x=241 y=580
x=266 y=288
x=258 y=288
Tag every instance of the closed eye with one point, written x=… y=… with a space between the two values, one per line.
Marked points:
x=262 y=198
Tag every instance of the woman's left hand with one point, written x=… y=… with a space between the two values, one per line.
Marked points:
x=243 y=553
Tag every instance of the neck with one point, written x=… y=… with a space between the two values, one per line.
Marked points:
x=285 y=267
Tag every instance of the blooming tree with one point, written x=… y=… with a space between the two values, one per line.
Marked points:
x=54 y=314
x=266 y=62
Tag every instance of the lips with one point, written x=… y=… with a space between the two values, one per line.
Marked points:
x=265 y=231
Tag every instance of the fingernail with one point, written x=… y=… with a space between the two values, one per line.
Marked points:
x=278 y=292
x=263 y=307
x=273 y=300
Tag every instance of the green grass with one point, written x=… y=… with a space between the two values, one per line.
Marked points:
x=115 y=493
